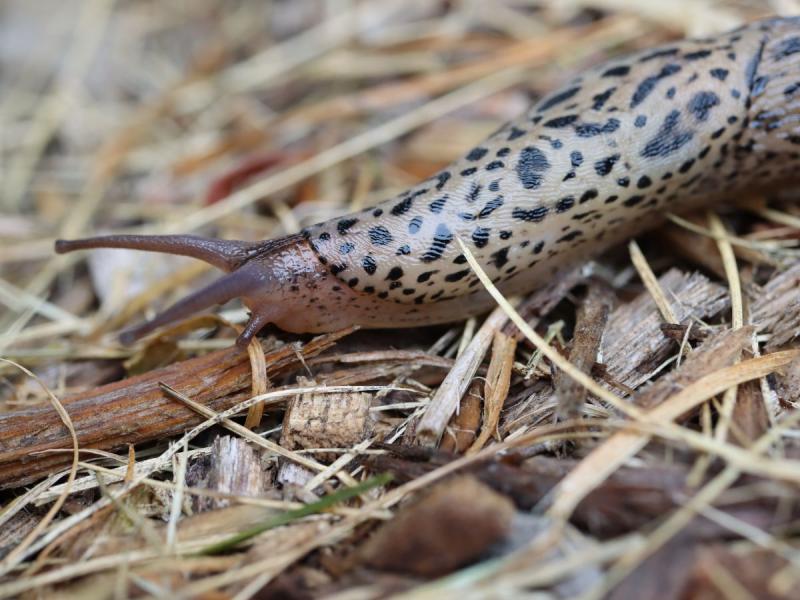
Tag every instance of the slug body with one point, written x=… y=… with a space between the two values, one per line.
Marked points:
x=667 y=129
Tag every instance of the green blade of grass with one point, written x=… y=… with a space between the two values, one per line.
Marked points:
x=298 y=513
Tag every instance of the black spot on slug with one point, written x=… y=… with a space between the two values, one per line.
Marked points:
x=480 y=237
x=721 y=74
x=558 y=99
x=531 y=166
x=442 y=179
x=640 y=121
x=369 y=264
x=576 y=158
x=441 y=238
x=669 y=138
x=570 y=236
x=423 y=277
x=604 y=166
x=751 y=71
x=474 y=192
x=701 y=104
x=345 y=224
x=394 y=274
x=380 y=236
x=560 y=122
x=500 y=258
x=786 y=48
x=534 y=215
x=659 y=54
x=402 y=207
x=648 y=84
x=491 y=206
x=588 y=195
x=588 y=130
x=565 y=204
x=619 y=71
x=476 y=154
x=599 y=101
x=457 y=276
x=515 y=133
x=437 y=205
x=697 y=55
x=414 y=225
x=633 y=200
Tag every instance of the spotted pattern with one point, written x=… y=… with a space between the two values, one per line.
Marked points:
x=587 y=166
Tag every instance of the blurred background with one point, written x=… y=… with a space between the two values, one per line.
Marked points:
x=252 y=119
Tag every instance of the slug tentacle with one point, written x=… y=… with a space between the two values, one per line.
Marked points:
x=223 y=254
x=224 y=289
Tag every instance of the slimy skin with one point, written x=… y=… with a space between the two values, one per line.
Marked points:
x=669 y=129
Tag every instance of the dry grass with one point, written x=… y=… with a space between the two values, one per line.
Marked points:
x=630 y=434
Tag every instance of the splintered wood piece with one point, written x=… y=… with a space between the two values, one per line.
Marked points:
x=463 y=427
x=235 y=469
x=135 y=410
x=776 y=308
x=788 y=387
x=634 y=345
x=590 y=323
x=750 y=419
x=498 y=381
x=451 y=526
x=327 y=421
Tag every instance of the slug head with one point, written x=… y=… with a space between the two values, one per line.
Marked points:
x=256 y=272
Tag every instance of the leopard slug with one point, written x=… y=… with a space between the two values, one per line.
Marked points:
x=598 y=161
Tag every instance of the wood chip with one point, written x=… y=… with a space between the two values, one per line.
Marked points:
x=327 y=421
x=498 y=380
x=776 y=307
x=457 y=522
x=235 y=469
x=634 y=346
x=590 y=324
x=463 y=427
